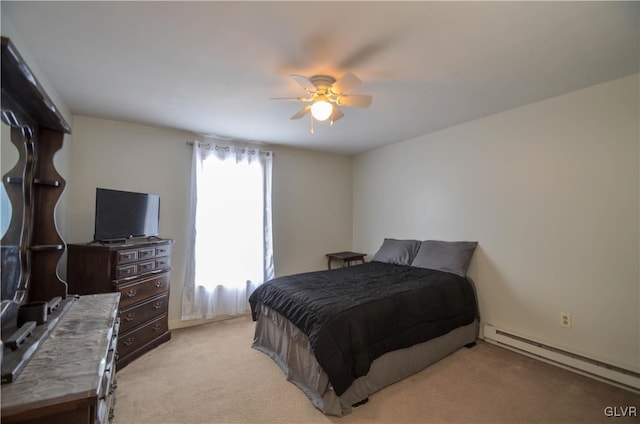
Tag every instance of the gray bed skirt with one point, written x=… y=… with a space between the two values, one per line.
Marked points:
x=289 y=348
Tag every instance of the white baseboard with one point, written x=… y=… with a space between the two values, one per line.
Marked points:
x=598 y=370
x=178 y=323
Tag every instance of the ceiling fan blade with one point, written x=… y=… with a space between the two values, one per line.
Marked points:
x=355 y=100
x=346 y=83
x=302 y=112
x=295 y=99
x=304 y=82
x=364 y=54
x=336 y=114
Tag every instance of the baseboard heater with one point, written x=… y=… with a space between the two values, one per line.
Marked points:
x=598 y=370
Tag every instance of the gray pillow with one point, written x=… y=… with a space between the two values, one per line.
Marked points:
x=449 y=256
x=399 y=252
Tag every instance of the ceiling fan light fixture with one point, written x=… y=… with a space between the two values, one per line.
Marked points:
x=321 y=110
x=325 y=94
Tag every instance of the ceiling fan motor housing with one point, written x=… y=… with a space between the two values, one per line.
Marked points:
x=322 y=82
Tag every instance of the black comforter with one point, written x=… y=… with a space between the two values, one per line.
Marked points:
x=355 y=314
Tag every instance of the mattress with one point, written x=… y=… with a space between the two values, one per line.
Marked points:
x=289 y=347
x=353 y=315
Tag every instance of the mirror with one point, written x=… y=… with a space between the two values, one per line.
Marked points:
x=12 y=166
x=8 y=160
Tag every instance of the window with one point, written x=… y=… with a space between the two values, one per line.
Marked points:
x=230 y=230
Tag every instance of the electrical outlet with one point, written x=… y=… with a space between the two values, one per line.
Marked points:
x=565 y=319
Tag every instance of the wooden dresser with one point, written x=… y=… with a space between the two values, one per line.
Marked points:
x=139 y=271
x=71 y=378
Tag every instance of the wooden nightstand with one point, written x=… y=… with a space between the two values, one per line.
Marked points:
x=345 y=257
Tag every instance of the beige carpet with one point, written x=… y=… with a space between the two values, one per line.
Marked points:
x=210 y=374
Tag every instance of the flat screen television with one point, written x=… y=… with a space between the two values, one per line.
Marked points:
x=125 y=214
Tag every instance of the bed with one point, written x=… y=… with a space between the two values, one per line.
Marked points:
x=341 y=335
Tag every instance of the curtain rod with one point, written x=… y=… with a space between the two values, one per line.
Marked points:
x=251 y=150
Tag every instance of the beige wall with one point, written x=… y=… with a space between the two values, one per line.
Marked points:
x=312 y=212
x=311 y=192
x=9 y=31
x=551 y=193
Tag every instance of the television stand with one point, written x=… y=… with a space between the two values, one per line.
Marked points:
x=140 y=270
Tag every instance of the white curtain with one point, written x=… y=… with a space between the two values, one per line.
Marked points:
x=230 y=248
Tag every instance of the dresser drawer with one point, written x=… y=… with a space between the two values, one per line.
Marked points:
x=125 y=271
x=137 y=338
x=164 y=262
x=138 y=314
x=163 y=250
x=126 y=256
x=146 y=253
x=142 y=289
x=146 y=266
x=106 y=395
x=108 y=385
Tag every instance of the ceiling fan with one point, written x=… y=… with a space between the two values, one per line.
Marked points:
x=325 y=94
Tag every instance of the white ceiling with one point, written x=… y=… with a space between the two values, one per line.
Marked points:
x=211 y=67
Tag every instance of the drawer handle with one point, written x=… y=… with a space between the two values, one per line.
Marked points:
x=133 y=277
x=159 y=284
x=156 y=326
x=131 y=293
x=129 y=341
x=158 y=305
x=130 y=317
